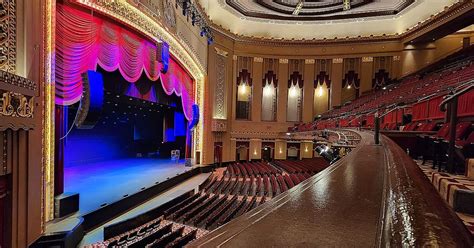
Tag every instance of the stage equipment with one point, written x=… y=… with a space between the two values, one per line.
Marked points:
x=90 y=107
x=163 y=55
x=327 y=153
x=195 y=120
x=65 y=204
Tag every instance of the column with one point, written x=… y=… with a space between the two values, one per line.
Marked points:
x=282 y=89
x=366 y=74
x=336 y=82
x=257 y=77
x=308 y=90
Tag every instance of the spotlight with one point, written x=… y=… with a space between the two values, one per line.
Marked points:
x=327 y=153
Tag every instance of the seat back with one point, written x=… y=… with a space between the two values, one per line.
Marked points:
x=443 y=132
x=461 y=129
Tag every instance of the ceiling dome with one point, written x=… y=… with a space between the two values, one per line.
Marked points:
x=311 y=10
x=321 y=19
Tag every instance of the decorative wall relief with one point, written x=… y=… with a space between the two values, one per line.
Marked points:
x=219 y=98
x=169 y=14
x=8 y=35
x=16 y=105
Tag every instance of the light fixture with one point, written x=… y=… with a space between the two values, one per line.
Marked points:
x=348 y=86
x=242 y=89
x=298 y=7
x=384 y=88
x=268 y=90
x=320 y=91
x=293 y=91
x=288 y=134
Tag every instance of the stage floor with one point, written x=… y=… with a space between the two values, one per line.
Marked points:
x=108 y=181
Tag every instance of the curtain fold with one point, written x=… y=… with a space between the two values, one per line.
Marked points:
x=84 y=41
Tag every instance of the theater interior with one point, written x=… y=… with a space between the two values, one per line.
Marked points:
x=236 y=123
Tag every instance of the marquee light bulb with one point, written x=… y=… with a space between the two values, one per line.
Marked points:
x=349 y=87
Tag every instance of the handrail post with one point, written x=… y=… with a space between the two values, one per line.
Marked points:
x=453 y=112
x=377 y=128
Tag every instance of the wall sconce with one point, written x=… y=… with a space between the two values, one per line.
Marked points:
x=320 y=91
x=254 y=152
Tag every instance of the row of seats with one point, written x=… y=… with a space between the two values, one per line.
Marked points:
x=436 y=81
x=240 y=188
x=158 y=233
x=313 y=165
x=224 y=196
x=435 y=146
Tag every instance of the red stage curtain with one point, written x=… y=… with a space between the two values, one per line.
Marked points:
x=84 y=41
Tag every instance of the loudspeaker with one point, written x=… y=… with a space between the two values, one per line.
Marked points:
x=163 y=55
x=92 y=100
x=66 y=204
x=195 y=120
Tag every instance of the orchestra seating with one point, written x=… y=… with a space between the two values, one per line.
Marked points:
x=228 y=193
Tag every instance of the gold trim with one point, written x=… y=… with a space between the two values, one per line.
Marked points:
x=16 y=105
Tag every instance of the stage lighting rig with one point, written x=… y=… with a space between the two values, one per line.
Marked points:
x=190 y=10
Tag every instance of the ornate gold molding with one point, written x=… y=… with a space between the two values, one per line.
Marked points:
x=309 y=61
x=396 y=58
x=283 y=61
x=367 y=59
x=258 y=59
x=15 y=80
x=8 y=36
x=219 y=125
x=440 y=17
x=128 y=14
x=221 y=52
x=16 y=105
x=337 y=60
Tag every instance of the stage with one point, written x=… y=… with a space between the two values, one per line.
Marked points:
x=108 y=181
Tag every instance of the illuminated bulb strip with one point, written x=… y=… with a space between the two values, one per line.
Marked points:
x=298 y=8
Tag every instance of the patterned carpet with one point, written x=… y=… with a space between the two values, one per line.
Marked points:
x=446 y=184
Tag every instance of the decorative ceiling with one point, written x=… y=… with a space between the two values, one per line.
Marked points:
x=320 y=19
x=313 y=10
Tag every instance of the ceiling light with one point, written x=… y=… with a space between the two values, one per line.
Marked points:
x=298 y=8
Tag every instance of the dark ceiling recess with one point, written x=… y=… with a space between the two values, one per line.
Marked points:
x=453 y=26
x=312 y=10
